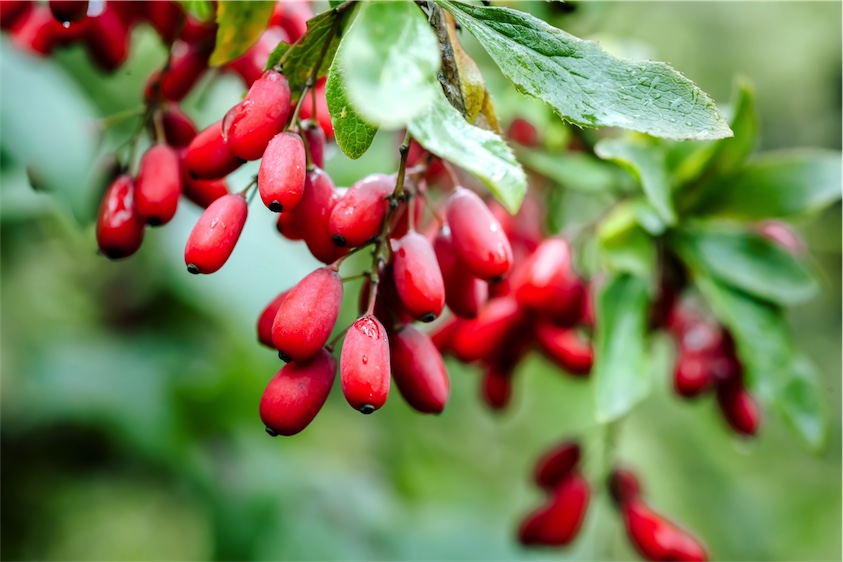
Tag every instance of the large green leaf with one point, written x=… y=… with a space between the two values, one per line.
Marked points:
x=781 y=377
x=750 y=262
x=353 y=134
x=776 y=185
x=240 y=24
x=575 y=170
x=623 y=244
x=304 y=54
x=621 y=374
x=391 y=58
x=647 y=163
x=443 y=131
x=586 y=85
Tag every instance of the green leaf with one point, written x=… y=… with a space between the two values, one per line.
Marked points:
x=574 y=170
x=443 y=131
x=395 y=58
x=335 y=3
x=200 y=9
x=241 y=23
x=801 y=405
x=353 y=134
x=647 y=163
x=624 y=245
x=778 y=184
x=304 y=54
x=749 y=262
x=586 y=85
x=621 y=374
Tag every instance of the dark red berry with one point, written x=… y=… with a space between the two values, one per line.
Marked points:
x=546 y=283
x=282 y=172
x=624 y=486
x=565 y=347
x=188 y=65
x=216 y=233
x=119 y=229
x=359 y=214
x=306 y=317
x=313 y=213
x=559 y=522
x=159 y=185
x=251 y=124
x=738 y=407
x=417 y=277
x=12 y=11
x=179 y=129
x=478 y=238
x=163 y=16
x=692 y=375
x=267 y=319
x=465 y=294
x=296 y=394
x=364 y=365
x=556 y=464
x=315 y=137
x=68 y=10
x=286 y=226
x=418 y=370
x=658 y=539
x=496 y=387
x=483 y=336
x=107 y=38
x=203 y=192
x=208 y=155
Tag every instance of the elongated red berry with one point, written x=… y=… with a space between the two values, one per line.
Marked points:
x=107 y=38
x=159 y=185
x=164 y=17
x=202 y=192
x=250 y=125
x=496 y=387
x=119 y=229
x=267 y=319
x=692 y=375
x=315 y=141
x=418 y=370
x=282 y=172
x=481 y=337
x=251 y=64
x=359 y=214
x=296 y=394
x=313 y=213
x=306 y=317
x=658 y=539
x=12 y=11
x=364 y=365
x=68 y=10
x=738 y=407
x=565 y=347
x=478 y=237
x=556 y=464
x=465 y=294
x=179 y=129
x=523 y=132
x=287 y=227
x=188 y=65
x=624 y=486
x=208 y=155
x=542 y=283
x=559 y=522
x=216 y=233
x=417 y=277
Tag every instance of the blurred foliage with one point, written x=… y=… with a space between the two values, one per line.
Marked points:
x=130 y=390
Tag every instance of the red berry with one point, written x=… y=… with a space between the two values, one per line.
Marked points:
x=483 y=336
x=306 y=317
x=565 y=347
x=208 y=156
x=556 y=464
x=250 y=125
x=119 y=229
x=107 y=38
x=35 y=30
x=202 y=192
x=478 y=238
x=313 y=213
x=68 y=10
x=322 y=116
x=523 y=132
x=159 y=185
x=558 y=523
x=292 y=15
x=418 y=370
x=12 y=11
x=179 y=129
x=656 y=538
x=216 y=233
x=282 y=172
x=286 y=225
x=547 y=285
x=250 y=66
x=738 y=406
x=692 y=375
x=163 y=16
x=465 y=294
x=359 y=214
x=297 y=393
x=364 y=365
x=267 y=319
x=496 y=387
x=188 y=65
x=624 y=486
x=315 y=137
x=417 y=277
x=198 y=33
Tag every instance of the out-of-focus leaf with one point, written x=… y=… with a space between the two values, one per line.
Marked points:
x=776 y=185
x=624 y=245
x=391 y=59
x=240 y=24
x=750 y=262
x=621 y=374
x=801 y=404
x=647 y=163
x=586 y=85
x=574 y=170
x=202 y=10
x=443 y=131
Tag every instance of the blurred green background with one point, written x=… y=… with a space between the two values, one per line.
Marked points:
x=130 y=389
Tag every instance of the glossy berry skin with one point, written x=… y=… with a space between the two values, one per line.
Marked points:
x=656 y=538
x=159 y=185
x=417 y=277
x=481 y=337
x=286 y=226
x=359 y=214
x=282 y=172
x=296 y=394
x=208 y=155
x=107 y=38
x=478 y=238
x=216 y=233
x=306 y=317
x=68 y=10
x=365 y=365
x=119 y=229
x=187 y=67
x=202 y=192
x=179 y=129
x=556 y=464
x=418 y=370
x=250 y=125
x=315 y=137
x=692 y=374
x=267 y=319
x=313 y=213
x=465 y=294
x=565 y=347
x=559 y=522
x=738 y=407
x=544 y=282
